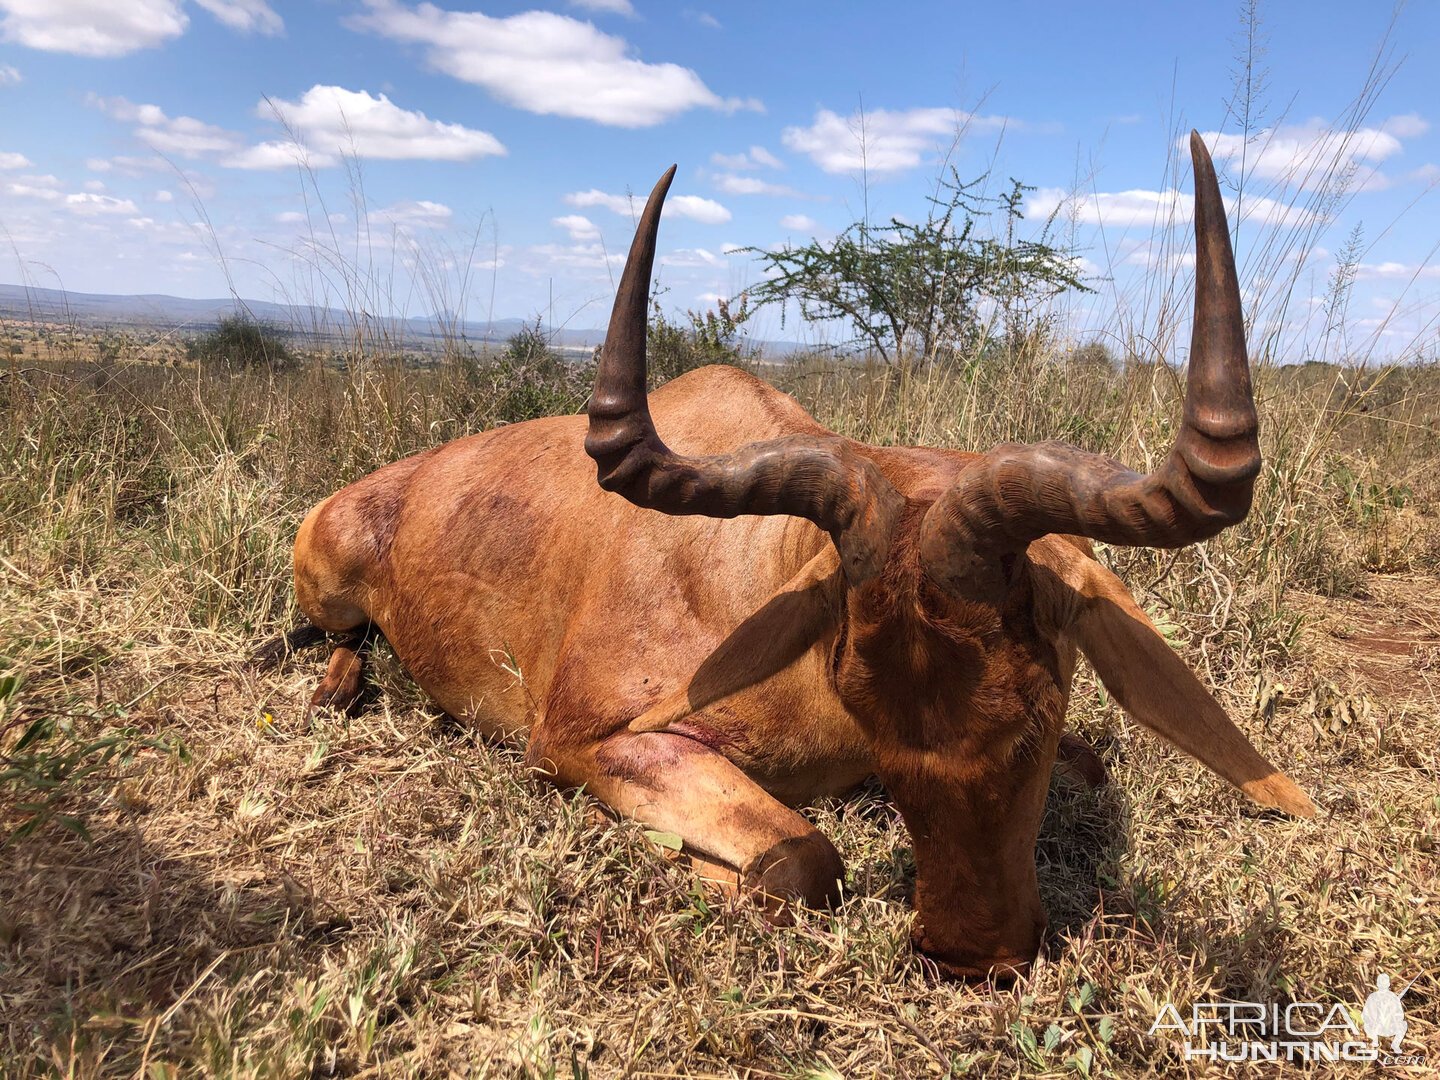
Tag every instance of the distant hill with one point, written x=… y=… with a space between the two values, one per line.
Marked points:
x=154 y=311
x=99 y=311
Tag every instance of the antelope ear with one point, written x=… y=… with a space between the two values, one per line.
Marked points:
x=804 y=609
x=1155 y=686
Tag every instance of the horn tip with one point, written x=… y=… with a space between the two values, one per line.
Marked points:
x=1198 y=150
x=662 y=186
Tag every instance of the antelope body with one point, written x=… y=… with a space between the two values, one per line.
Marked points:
x=754 y=612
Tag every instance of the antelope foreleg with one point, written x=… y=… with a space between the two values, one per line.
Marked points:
x=673 y=784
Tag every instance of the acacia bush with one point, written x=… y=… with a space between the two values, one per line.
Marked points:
x=674 y=347
x=530 y=378
x=939 y=289
x=242 y=342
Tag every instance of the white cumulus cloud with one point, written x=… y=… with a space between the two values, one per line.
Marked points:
x=705 y=211
x=126 y=165
x=619 y=204
x=88 y=203
x=752 y=185
x=606 y=7
x=119 y=27
x=330 y=121
x=10 y=75
x=799 y=223
x=333 y=121
x=1153 y=209
x=882 y=141
x=11 y=160
x=580 y=228
x=182 y=135
x=690 y=258
x=247 y=16
x=91 y=27
x=84 y=203
x=276 y=154
x=542 y=259
x=1406 y=126
x=757 y=157
x=1118 y=209
x=1311 y=155
x=546 y=63
x=1396 y=271
x=415 y=214
x=46 y=188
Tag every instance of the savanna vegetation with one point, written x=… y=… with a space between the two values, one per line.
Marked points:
x=196 y=880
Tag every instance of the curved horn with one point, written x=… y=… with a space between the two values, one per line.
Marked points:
x=1019 y=492
x=820 y=478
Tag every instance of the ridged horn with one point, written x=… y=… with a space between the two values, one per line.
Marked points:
x=1019 y=492
x=820 y=478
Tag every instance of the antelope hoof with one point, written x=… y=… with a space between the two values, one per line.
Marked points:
x=342 y=685
x=1001 y=962
x=339 y=695
x=1079 y=759
x=803 y=869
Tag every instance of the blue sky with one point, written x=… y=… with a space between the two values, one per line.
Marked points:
x=152 y=145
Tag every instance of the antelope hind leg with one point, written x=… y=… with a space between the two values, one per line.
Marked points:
x=734 y=830
x=344 y=679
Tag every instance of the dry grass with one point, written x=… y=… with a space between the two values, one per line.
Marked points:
x=232 y=892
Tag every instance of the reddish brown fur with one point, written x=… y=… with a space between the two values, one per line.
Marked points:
x=523 y=597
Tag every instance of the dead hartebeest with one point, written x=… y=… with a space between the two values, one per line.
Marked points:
x=804 y=611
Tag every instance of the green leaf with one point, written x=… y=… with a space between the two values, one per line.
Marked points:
x=1081 y=1060
x=665 y=839
x=40 y=729
x=75 y=825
